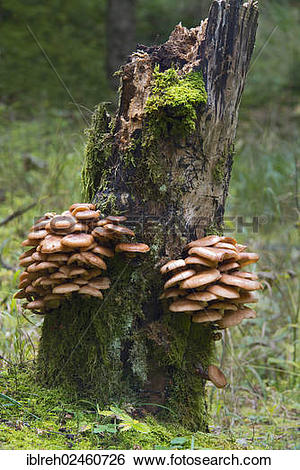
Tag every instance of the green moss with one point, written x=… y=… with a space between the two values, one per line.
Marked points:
x=171 y=109
x=95 y=170
x=66 y=422
x=218 y=171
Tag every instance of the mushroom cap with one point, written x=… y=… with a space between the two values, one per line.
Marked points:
x=231 y=318
x=132 y=247
x=246 y=284
x=21 y=294
x=178 y=277
x=57 y=257
x=28 y=242
x=201 y=279
x=206 y=252
x=229 y=246
x=116 y=218
x=207 y=316
x=102 y=232
x=82 y=205
x=51 y=244
x=240 y=247
x=225 y=253
x=89 y=290
x=26 y=261
x=94 y=260
x=104 y=251
x=77 y=272
x=77 y=240
x=65 y=288
x=36 y=305
x=87 y=214
x=224 y=291
x=37 y=235
x=216 y=376
x=246 y=275
x=120 y=229
x=27 y=253
x=200 y=260
x=184 y=305
x=247 y=298
x=205 y=241
x=102 y=222
x=247 y=258
x=80 y=281
x=202 y=296
x=58 y=275
x=228 y=266
x=62 y=222
x=38 y=256
x=171 y=265
x=76 y=258
x=92 y=273
x=44 y=265
x=248 y=312
x=224 y=306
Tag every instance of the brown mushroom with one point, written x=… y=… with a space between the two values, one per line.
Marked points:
x=179 y=277
x=224 y=291
x=201 y=279
x=246 y=284
x=171 y=265
x=67 y=288
x=185 y=306
x=77 y=240
x=132 y=247
x=88 y=290
x=207 y=316
x=216 y=376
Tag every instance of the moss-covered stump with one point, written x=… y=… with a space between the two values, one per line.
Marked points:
x=164 y=161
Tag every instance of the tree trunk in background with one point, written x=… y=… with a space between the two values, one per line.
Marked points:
x=120 y=35
x=165 y=162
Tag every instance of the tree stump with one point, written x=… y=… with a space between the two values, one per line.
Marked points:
x=164 y=161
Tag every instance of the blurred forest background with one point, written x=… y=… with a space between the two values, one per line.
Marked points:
x=56 y=63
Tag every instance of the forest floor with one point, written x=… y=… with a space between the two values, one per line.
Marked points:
x=33 y=417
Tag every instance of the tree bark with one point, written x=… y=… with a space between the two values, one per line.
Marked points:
x=164 y=162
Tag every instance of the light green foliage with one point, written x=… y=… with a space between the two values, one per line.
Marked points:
x=171 y=109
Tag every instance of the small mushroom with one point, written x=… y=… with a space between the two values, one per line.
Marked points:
x=171 y=265
x=67 y=288
x=205 y=277
x=89 y=290
x=186 y=306
x=132 y=248
x=207 y=316
x=224 y=291
x=216 y=376
x=77 y=240
x=237 y=281
x=179 y=277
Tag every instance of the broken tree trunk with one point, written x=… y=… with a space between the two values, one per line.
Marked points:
x=165 y=163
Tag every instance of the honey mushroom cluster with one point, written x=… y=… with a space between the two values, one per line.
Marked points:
x=209 y=284
x=67 y=255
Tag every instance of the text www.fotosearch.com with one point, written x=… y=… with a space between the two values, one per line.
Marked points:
x=97 y=459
